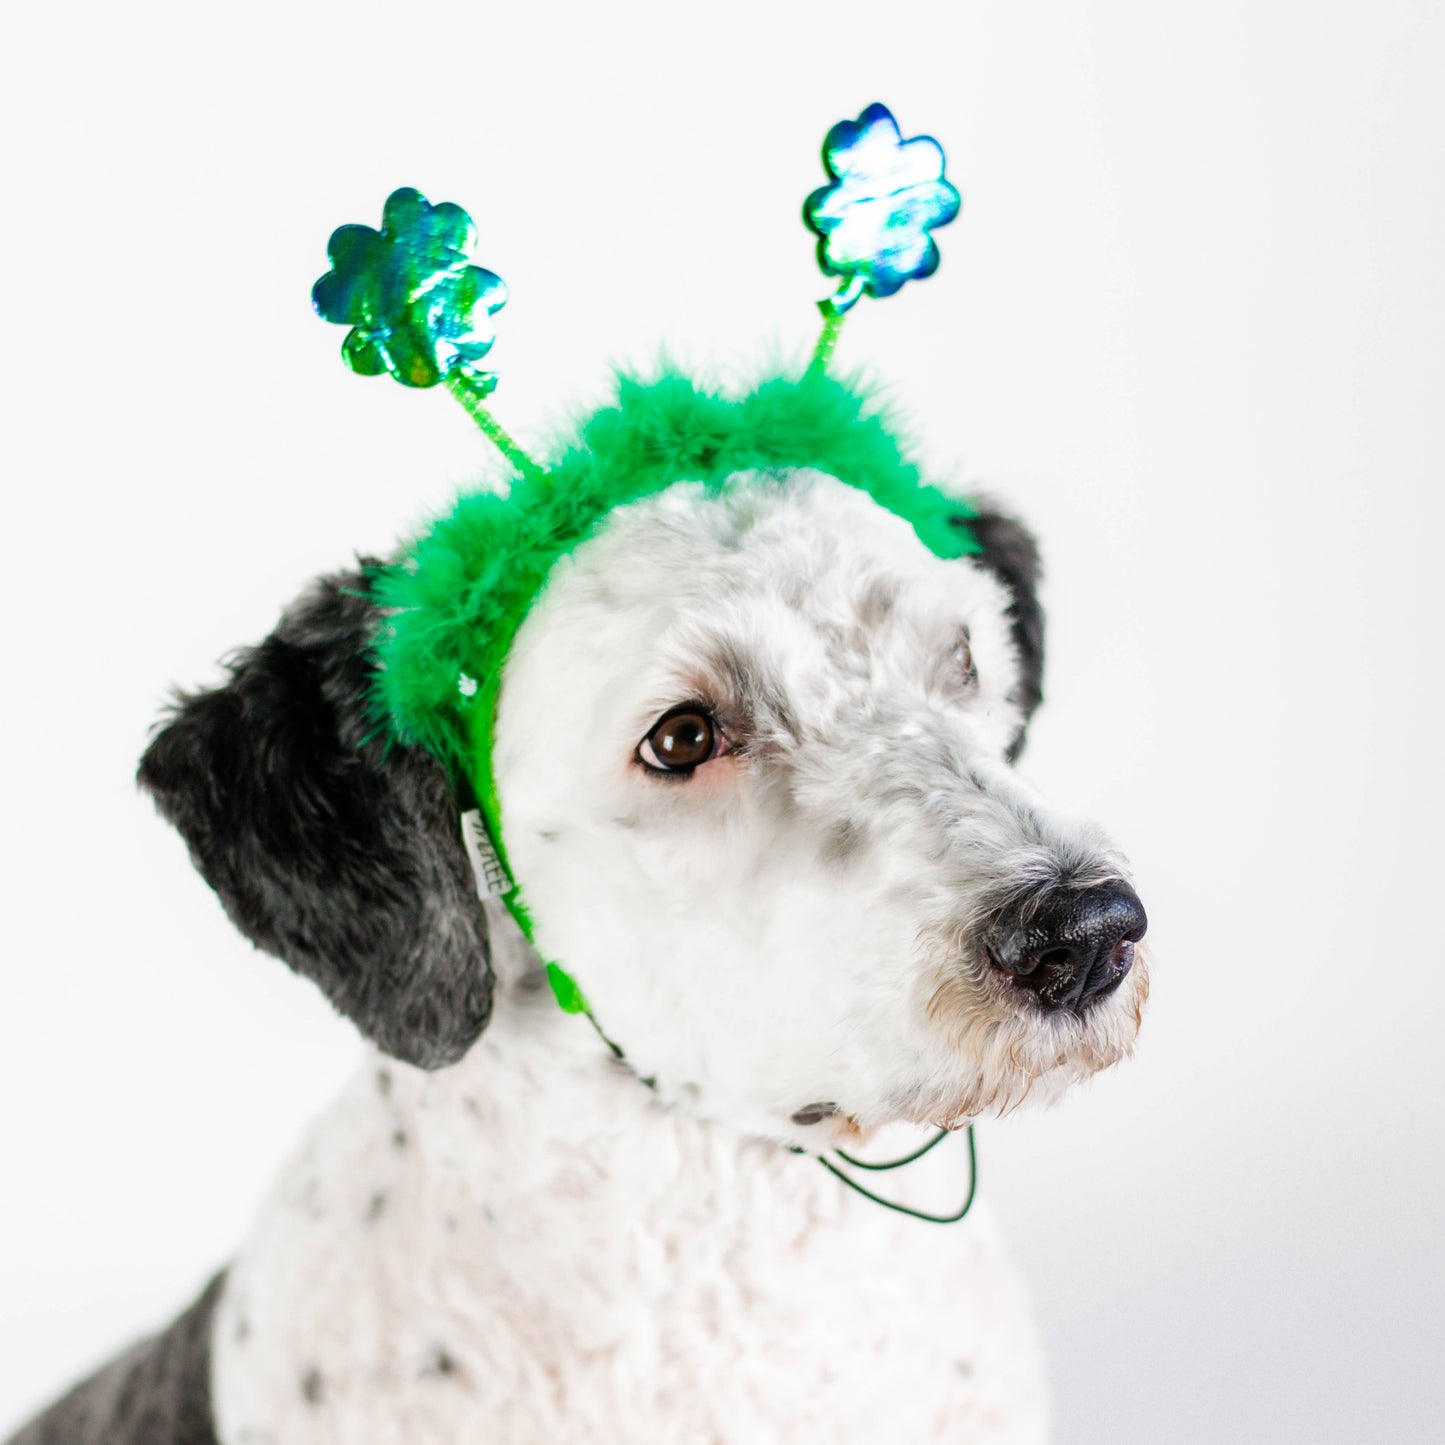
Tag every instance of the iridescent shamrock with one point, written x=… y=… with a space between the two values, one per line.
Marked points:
x=873 y=222
x=417 y=306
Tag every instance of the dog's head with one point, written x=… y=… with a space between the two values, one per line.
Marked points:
x=752 y=755
x=753 y=760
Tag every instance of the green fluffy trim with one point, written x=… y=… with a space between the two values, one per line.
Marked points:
x=458 y=596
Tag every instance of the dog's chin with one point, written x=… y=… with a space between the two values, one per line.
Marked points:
x=1013 y=1052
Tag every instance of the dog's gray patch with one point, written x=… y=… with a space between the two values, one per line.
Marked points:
x=877 y=601
x=310 y=1199
x=313 y=1386
x=441 y=1363
x=845 y=842
x=377 y=1207
x=814 y=1113
x=847 y=650
x=157 y=1393
x=756 y=696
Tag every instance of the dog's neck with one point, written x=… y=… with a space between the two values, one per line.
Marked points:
x=541 y=1109
x=542 y=1103
x=535 y=1208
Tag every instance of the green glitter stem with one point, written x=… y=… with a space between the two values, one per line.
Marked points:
x=835 y=311
x=470 y=392
x=827 y=339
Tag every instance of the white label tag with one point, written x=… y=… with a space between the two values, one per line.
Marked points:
x=492 y=880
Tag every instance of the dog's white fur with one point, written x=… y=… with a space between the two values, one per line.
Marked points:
x=531 y=1246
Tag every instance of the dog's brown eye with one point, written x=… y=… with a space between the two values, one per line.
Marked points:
x=962 y=656
x=681 y=740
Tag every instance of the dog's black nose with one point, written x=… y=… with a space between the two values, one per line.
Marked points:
x=1069 y=946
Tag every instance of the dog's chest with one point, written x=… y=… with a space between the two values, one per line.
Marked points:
x=449 y=1266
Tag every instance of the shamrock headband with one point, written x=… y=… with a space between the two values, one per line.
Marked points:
x=420 y=309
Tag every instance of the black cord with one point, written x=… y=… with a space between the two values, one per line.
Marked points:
x=832 y=1169
x=618 y=1054
x=896 y=1163
x=917 y=1154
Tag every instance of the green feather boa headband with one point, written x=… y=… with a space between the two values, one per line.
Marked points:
x=421 y=311
x=459 y=594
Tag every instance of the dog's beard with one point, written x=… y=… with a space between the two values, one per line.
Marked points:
x=1004 y=1052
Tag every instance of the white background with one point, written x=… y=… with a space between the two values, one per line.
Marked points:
x=1190 y=323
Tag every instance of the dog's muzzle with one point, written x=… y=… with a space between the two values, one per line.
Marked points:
x=1069 y=947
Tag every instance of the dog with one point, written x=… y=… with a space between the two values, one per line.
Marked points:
x=754 y=750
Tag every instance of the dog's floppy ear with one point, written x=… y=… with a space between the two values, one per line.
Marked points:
x=331 y=847
x=1012 y=555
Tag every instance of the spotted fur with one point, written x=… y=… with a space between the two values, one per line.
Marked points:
x=499 y=1234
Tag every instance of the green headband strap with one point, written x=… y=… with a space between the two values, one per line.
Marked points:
x=488 y=851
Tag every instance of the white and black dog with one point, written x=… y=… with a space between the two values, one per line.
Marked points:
x=754 y=754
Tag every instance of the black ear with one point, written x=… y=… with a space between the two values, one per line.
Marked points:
x=329 y=847
x=1012 y=555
